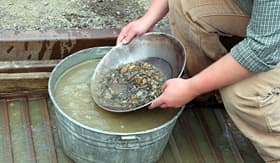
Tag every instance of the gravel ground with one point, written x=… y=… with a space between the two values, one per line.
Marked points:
x=22 y=15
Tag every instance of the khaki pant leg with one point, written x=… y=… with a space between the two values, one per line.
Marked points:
x=254 y=106
x=198 y=25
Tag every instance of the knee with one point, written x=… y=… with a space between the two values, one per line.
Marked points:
x=236 y=96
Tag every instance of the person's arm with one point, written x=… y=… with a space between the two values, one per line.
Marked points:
x=258 y=52
x=223 y=72
x=157 y=10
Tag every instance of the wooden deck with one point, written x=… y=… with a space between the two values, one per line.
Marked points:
x=202 y=134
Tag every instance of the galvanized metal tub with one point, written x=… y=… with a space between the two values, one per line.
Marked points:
x=85 y=144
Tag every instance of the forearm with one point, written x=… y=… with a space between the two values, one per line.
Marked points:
x=223 y=72
x=157 y=10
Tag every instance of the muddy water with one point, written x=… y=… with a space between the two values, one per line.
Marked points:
x=73 y=96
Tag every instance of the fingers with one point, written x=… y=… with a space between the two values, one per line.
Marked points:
x=130 y=35
x=124 y=39
x=127 y=34
x=119 y=40
x=157 y=102
x=160 y=101
x=121 y=35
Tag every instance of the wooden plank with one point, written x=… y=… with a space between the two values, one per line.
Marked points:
x=52 y=44
x=175 y=150
x=2 y=140
x=47 y=125
x=191 y=136
x=182 y=138
x=39 y=134
x=26 y=66
x=18 y=131
x=28 y=131
x=18 y=82
x=24 y=76
x=228 y=134
x=209 y=136
x=7 y=132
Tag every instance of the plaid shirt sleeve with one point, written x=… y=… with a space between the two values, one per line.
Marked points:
x=260 y=50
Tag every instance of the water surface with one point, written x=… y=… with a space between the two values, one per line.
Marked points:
x=72 y=93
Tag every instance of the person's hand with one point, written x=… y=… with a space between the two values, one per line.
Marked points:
x=176 y=93
x=132 y=29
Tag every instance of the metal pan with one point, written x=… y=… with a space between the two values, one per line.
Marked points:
x=162 y=50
